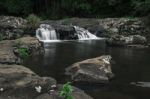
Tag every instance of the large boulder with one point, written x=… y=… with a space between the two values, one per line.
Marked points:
x=32 y=44
x=19 y=82
x=8 y=53
x=12 y=27
x=120 y=40
x=96 y=70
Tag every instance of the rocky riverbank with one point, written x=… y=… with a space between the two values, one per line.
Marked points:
x=111 y=28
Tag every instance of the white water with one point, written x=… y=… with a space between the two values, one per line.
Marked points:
x=84 y=34
x=46 y=33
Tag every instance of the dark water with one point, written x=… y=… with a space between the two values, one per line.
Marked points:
x=131 y=65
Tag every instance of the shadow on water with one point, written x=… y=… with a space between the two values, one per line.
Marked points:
x=131 y=65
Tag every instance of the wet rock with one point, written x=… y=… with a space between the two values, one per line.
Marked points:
x=65 y=32
x=96 y=70
x=120 y=40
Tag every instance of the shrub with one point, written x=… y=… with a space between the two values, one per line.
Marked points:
x=22 y=52
x=66 y=91
x=33 y=21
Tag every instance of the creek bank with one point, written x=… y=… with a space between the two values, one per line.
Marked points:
x=95 y=70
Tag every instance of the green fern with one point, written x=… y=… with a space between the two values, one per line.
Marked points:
x=66 y=91
x=23 y=53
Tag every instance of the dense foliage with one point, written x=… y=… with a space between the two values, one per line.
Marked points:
x=81 y=8
x=33 y=21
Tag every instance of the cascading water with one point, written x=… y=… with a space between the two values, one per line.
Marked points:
x=46 y=33
x=84 y=34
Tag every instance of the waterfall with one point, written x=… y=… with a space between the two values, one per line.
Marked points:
x=84 y=34
x=46 y=33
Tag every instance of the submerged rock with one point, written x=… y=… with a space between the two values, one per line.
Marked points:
x=65 y=32
x=95 y=70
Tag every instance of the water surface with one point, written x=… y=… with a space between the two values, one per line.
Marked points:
x=130 y=65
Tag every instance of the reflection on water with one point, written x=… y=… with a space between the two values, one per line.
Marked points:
x=131 y=65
